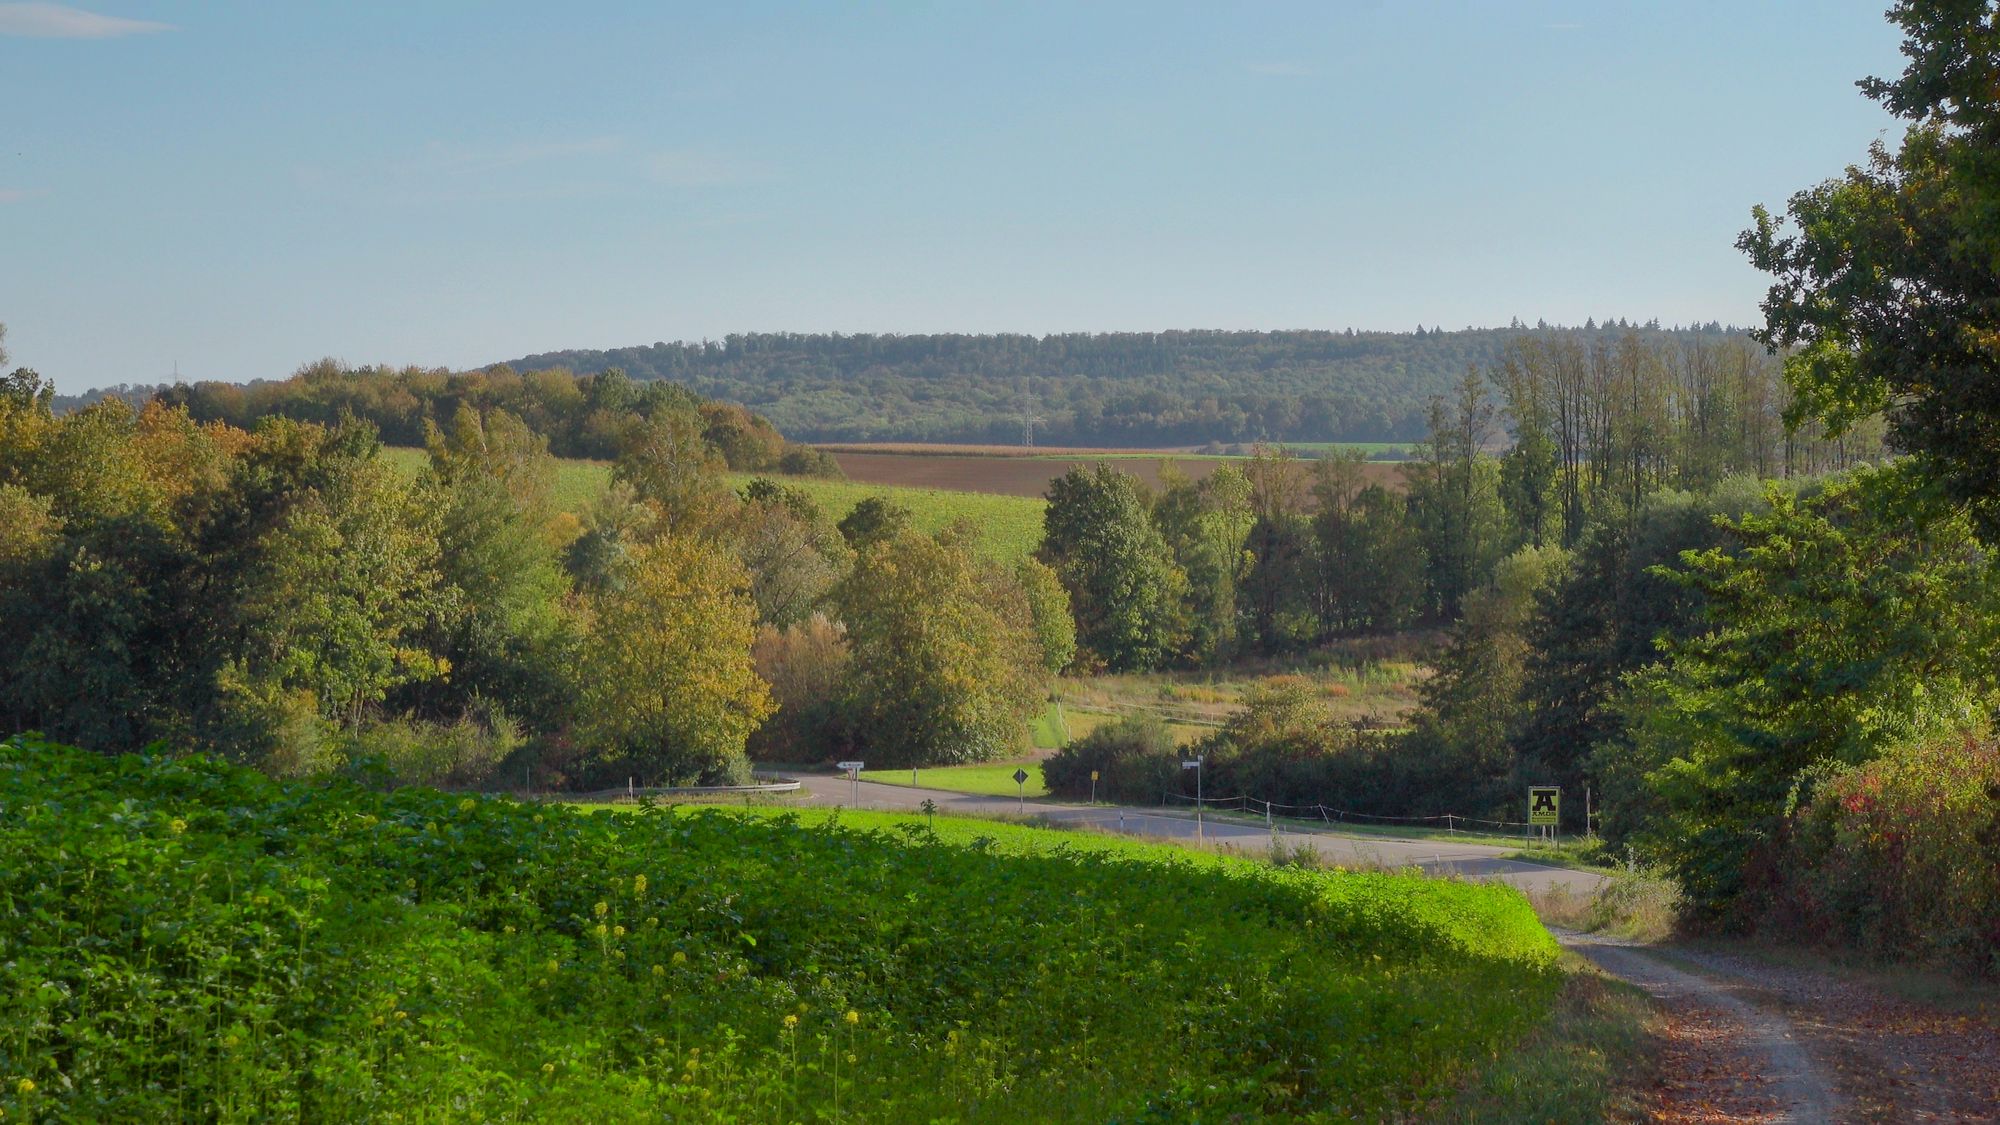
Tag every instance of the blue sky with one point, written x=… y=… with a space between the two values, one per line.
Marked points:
x=239 y=188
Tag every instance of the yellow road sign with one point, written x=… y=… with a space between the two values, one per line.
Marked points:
x=1544 y=804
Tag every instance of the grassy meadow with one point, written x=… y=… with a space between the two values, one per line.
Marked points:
x=1010 y=526
x=188 y=940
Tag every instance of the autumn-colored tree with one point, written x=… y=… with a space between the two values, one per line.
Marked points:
x=666 y=459
x=664 y=683
x=946 y=666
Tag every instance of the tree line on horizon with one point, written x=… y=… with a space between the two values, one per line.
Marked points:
x=1113 y=389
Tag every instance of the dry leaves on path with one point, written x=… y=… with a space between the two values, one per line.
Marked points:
x=1895 y=1059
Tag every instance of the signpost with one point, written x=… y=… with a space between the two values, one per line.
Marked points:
x=854 y=775
x=1093 y=787
x=1021 y=783
x=1196 y=767
x=1545 y=807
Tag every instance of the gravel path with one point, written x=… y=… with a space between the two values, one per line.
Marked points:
x=1726 y=1058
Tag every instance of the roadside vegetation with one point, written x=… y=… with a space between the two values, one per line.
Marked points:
x=994 y=779
x=191 y=940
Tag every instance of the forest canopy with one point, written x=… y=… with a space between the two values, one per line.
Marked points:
x=1116 y=389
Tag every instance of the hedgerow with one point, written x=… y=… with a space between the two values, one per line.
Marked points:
x=184 y=940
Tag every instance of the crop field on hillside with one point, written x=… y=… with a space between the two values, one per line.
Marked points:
x=1010 y=526
x=577 y=482
x=1030 y=476
x=192 y=940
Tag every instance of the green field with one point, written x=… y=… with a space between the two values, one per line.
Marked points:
x=188 y=940
x=995 y=779
x=1010 y=526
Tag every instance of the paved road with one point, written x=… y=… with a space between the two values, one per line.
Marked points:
x=1472 y=861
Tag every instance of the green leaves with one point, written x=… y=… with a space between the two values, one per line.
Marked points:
x=1123 y=584
x=182 y=940
x=947 y=658
x=1841 y=624
x=664 y=679
x=1885 y=278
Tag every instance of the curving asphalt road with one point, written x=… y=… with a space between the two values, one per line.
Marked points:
x=1438 y=857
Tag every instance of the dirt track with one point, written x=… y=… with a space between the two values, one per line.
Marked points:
x=1747 y=1039
x=1027 y=476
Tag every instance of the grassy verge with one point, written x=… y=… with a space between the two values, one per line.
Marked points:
x=1584 y=1065
x=1383 y=831
x=1635 y=905
x=993 y=779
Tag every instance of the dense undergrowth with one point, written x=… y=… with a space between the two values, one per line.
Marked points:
x=182 y=940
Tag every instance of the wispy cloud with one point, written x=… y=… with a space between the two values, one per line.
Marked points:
x=56 y=21
x=471 y=159
x=701 y=168
x=1280 y=69
x=16 y=195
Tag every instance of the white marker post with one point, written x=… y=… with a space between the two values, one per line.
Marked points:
x=1196 y=767
x=854 y=776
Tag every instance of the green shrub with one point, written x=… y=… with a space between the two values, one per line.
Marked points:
x=189 y=941
x=458 y=754
x=1135 y=756
x=1900 y=858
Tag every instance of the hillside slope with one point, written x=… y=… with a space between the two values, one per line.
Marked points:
x=1123 y=389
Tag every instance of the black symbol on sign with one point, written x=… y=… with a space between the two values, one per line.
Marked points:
x=1020 y=777
x=1545 y=802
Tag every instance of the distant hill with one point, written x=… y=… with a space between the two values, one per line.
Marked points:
x=1123 y=389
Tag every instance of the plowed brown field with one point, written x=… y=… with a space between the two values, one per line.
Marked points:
x=1015 y=475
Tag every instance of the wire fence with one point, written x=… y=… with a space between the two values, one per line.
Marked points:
x=1248 y=804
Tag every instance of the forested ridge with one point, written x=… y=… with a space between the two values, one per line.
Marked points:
x=1116 y=389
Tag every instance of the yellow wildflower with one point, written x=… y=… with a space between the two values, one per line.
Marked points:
x=853 y=1017
x=617 y=931
x=680 y=958
x=466 y=805
x=638 y=884
x=25 y=1086
x=178 y=825
x=791 y=1021
x=601 y=909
